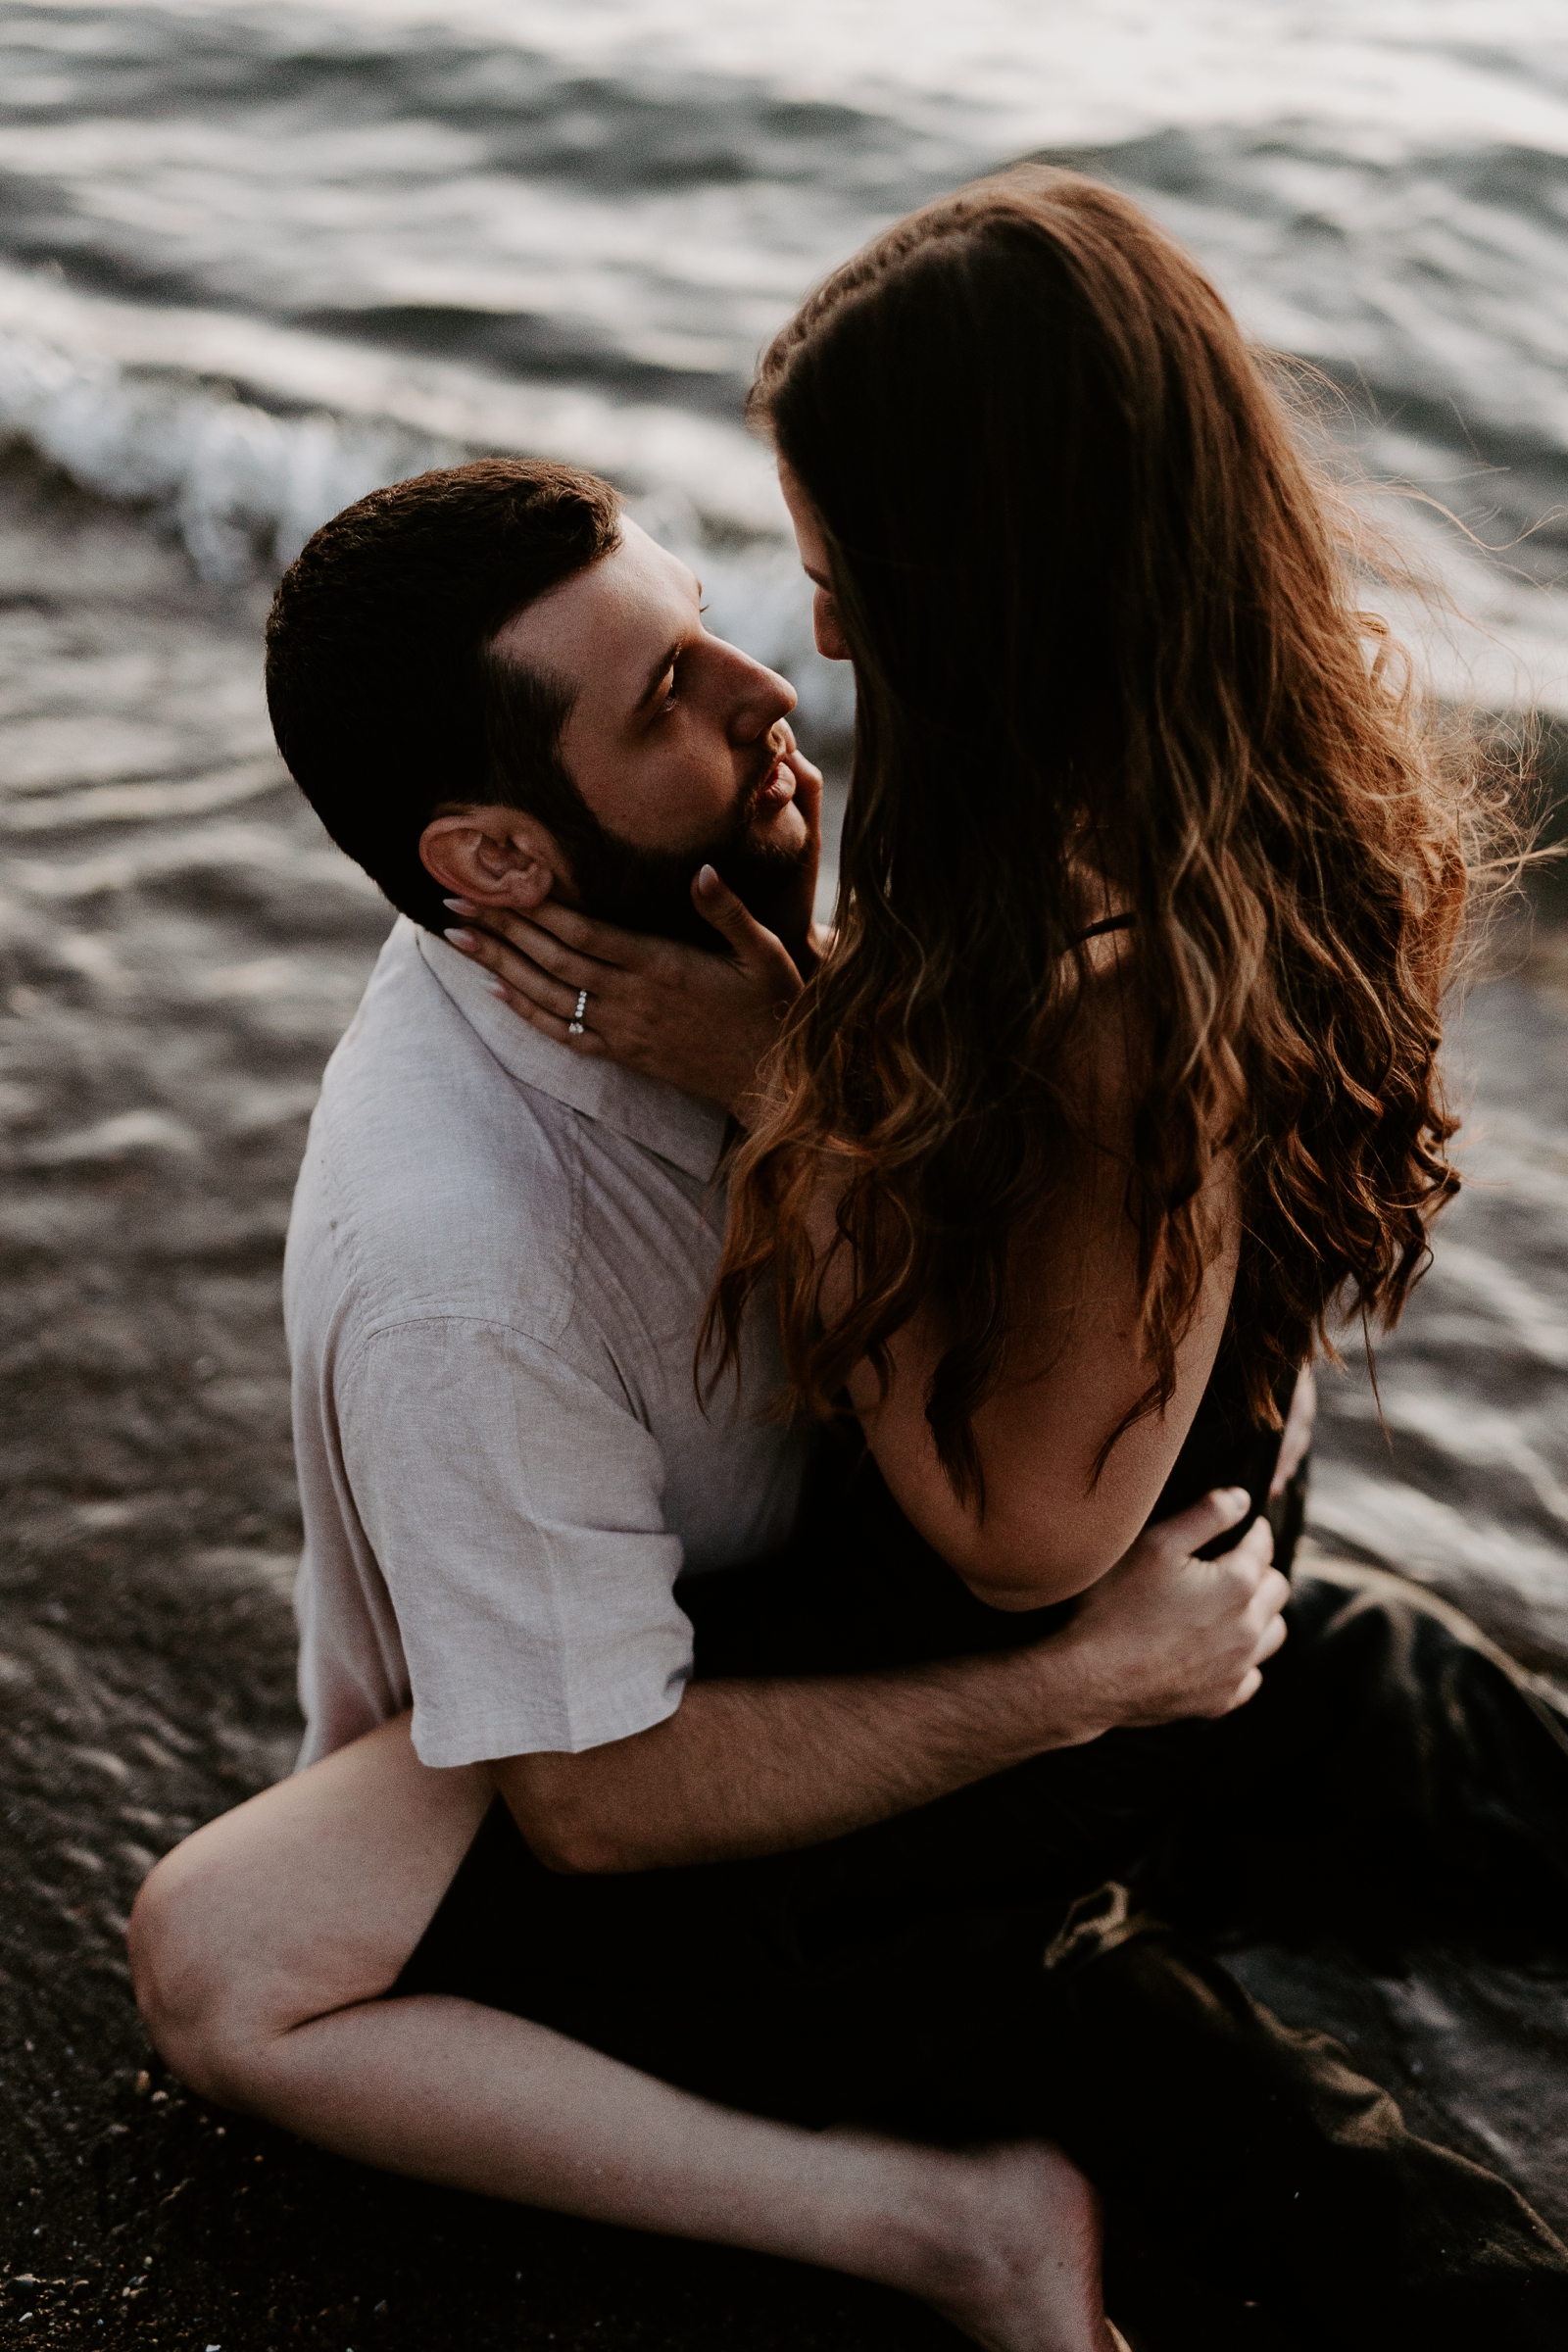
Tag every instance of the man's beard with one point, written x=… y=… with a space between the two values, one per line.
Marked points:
x=650 y=890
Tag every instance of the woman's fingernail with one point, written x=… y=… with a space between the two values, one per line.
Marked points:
x=462 y=939
x=707 y=880
x=1234 y=1498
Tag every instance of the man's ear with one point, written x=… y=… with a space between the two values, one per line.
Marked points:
x=497 y=858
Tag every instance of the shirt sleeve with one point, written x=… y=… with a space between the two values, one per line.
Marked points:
x=515 y=1511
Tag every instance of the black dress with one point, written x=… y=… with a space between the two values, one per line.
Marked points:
x=1035 y=1955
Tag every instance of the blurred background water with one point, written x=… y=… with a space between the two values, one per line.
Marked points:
x=256 y=260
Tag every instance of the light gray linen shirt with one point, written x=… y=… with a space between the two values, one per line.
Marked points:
x=497 y=1263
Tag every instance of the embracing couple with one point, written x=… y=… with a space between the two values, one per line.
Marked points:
x=798 y=1435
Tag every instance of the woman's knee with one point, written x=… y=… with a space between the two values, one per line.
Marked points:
x=306 y=1900
x=191 y=1981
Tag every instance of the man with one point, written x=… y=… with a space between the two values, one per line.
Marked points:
x=494 y=688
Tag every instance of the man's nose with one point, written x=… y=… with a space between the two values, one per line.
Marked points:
x=761 y=698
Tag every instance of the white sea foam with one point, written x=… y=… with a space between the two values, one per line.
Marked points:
x=244 y=438
x=146 y=402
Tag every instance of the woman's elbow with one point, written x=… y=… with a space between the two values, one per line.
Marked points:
x=1029 y=1549
x=1010 y=1574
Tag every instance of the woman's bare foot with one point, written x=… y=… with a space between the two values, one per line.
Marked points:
x=1027 y=2266
x=1009 y=2250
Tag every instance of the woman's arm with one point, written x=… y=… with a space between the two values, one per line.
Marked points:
x=1051 y=1528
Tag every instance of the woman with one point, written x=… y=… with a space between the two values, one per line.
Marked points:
x=1117 y=1083
x=1150 y=876
x=1119 y=1086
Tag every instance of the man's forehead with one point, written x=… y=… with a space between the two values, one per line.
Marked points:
x=607 y=614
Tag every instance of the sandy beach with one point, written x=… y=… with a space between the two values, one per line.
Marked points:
x=181 y=949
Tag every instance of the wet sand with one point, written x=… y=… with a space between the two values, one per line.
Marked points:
x=181 y=949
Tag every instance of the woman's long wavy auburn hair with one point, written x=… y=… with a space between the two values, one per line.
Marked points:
x=1101 y=614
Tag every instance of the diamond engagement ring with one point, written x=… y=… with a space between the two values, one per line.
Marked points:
x=574 y=1026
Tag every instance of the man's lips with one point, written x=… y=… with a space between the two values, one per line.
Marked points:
x=777 y=790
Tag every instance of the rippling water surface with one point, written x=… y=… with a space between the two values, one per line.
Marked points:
x=254 y=261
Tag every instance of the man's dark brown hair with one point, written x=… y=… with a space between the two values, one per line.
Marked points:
x=386 y=698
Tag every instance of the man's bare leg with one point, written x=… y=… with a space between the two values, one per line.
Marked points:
x=262 y=1946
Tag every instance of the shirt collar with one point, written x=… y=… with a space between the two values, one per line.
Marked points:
x=684 y=1129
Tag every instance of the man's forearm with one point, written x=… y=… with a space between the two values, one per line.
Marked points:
x=758 y=1767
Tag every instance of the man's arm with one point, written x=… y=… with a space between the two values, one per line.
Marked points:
x=758 y=1767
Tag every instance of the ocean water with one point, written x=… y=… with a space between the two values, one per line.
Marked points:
x=254 y=261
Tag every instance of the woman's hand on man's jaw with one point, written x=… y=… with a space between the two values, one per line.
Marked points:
x=700 y=1022
x=807 y=937
x=705 y=1023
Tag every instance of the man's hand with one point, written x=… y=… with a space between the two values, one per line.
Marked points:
x=1165 y=1636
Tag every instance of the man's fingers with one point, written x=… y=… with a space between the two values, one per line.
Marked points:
x=1256 y=1547
x=1245 y=1572
x=1248 y=1687
x=1201 y=1521
x=1275 y=1635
